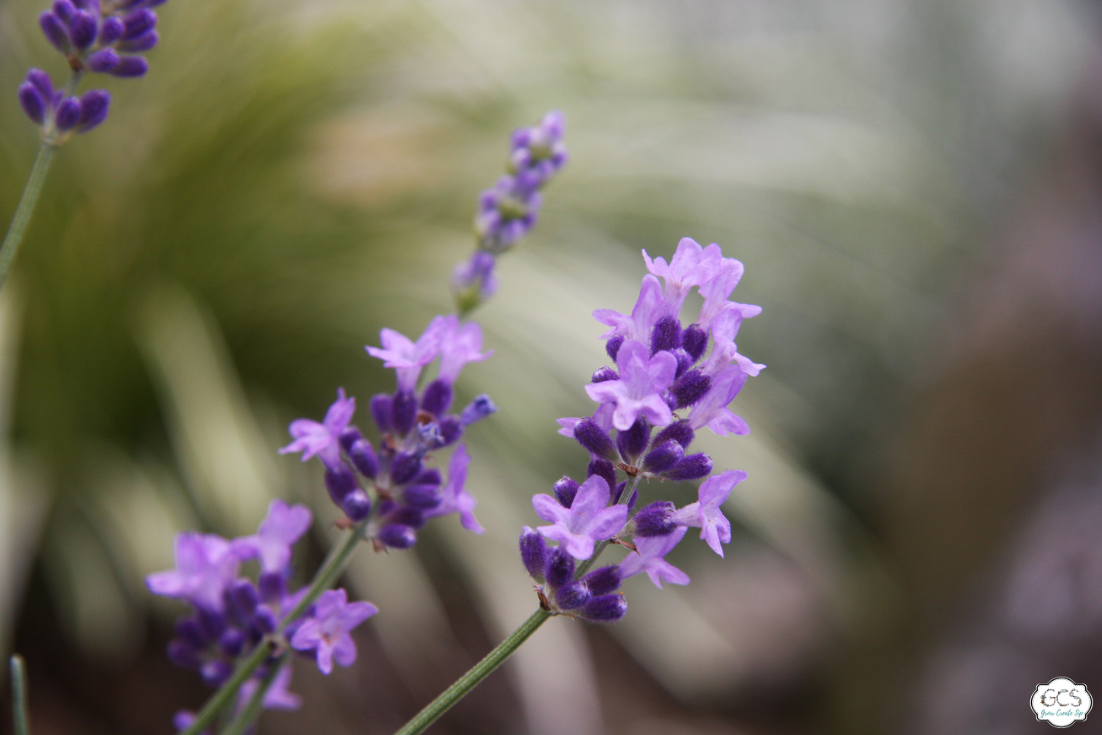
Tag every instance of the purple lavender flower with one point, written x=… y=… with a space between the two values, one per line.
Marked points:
x=327 y=630
x=711 y=410
x=279 y=531
x=205 y=567
x=458 y=346
x=706 y=515
x=277 y=696
x=649 y=307
x=456 y=498
x=638 y=392
x=586 y=521
x=648 y=557
x=476 y=276
x=323 y=439
x=408 y=357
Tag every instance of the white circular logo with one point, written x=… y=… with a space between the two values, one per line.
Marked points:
x=1061 y=702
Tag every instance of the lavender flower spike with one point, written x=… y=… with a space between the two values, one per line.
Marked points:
x=638 y=392
x=327 y=630
x=586 y=521
x=456 y=497
x=322 y=439
x=706 y=514
x=648 y=558
x=283 y=526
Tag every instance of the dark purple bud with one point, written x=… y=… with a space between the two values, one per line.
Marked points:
x=594 y=438
x=692 y=386
x=618 y=490
x=233 y=640
x=654 y=519
x=602 y=374
x=601 y=466
x=110 y=30
x=55 y=31
x=404 y=468
x=83 y=5
x=634 y=498
x=183 y=654
x=403 y=412
x=68 y=114
x=560 y=568
x=245 y=597
x=215 y=673
x=663 y=456
x=273 y=587
x=103 y=60
x=339 y=481
x=430 y=435
x=478 y=409
x=694 y=340
x=188 y=631
x=350 y=436
x=138 y=23
x=397 y=536
x=692 y=467
x=679 y=432
x=533 y=553
x=422 y=497
x=93 y=109
x=605 y=609
x=82 y=29
x=633 y=442
x=32 y=102
x=404 y=515
x=684 y=362
x=265 y=620
x=211 y=623
x=141 y=43
x=182 y=720
x=451 y=429
x=612 y=347
x=603 y=581
x=64 y=10
x=356 y=505
x=380 y=411
x=572 y=596
x=131 y=66
x=437 y=397
x=429 y=476
x=666 y=334
x=565 y=490
x=41 y=82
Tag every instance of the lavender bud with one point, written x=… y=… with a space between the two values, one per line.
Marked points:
x=110 y=31
x=142 y=43
x=654 y=519
x=694 y=340
x=666 y=334
x=93 y=109
x=451 y=429
x=265 y=620
x=429 y=476
x=684 y=362
x=41 y=81
x=403 y=412
x=692 y=386
x=478 y=409
x=436 y=398
x=612 y=347
x=603 y=581
x=618 y=490
x=397 y=536
x=32 y=102
x=565 y=490
x=245 y=597
x=404 y=515
x=605 y=609
x=64 y=10
x=422 y=497
x=363 y=458
x=131 y=66
x=381 y=410
x=594 y=438
x=273 y=587
x=679 y=432
x=67 y=114
x=103 y=60
x=602 y=374
x=560 y=568
x=602 y=467
x=231 y=643
x=404 y=468
x=533 y=553
x=138 y=23
x=572 y=596
x=82 y=29
x=55 y=31
x=183 y=654
x=188 y=631
x=339 y=481
x=211 y=623
x=356 y=505
x=182 y=720
x=692 y=467
x=216 y=672
x=632 y=442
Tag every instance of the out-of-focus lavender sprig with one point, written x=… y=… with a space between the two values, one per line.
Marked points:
x=508 y=210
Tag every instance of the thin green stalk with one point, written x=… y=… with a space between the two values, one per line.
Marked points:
x=246 y=717
x=474 y=677
x=25 y=209
x=20 y=725
x=326 y=575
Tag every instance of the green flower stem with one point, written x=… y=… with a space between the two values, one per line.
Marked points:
x=20 y=724
x=248 y=716
x=474 y=677
x=326 y=575
x=25 y=208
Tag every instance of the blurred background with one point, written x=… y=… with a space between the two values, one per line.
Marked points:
x=915 y=189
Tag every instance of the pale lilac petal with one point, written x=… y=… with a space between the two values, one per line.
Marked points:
x=330 y=603
x=458 y=347
x=620 y=323
x=660 y=570
x=344 y=651
x=167 y=584
x=353 y=614
x=285 y=523
x=277 y=696
x=578 y=546
x=325 y=657
x=648 y=557
x=340 y=413
x=308 y=635
x=607 y=523
x=725 y=422
x=592 y=497
x=549 y=509
x=567 y=425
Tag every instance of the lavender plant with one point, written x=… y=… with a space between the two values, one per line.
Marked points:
x=99 y=36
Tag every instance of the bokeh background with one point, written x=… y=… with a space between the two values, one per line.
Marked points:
x=915 y=189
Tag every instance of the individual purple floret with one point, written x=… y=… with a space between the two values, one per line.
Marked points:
x=706 y=515
x=279 y=531
x=322 y=439
x=205 y=566
x=587 y=520
x=327 y=630
x=648 y=557
x=56 y=114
